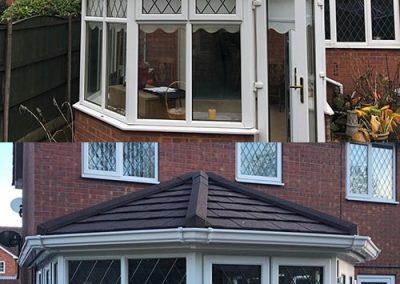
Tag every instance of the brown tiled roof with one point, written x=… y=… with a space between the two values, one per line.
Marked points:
x=198 y=200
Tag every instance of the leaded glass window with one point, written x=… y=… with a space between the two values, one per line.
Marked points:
x=121 y=161
x=157 y=270
x=350 y=20
x=259 y=162
x=94 y=271
x=2 y=267
x=382 y=14
x=215 y=6
x=161 y=6
x=116 y=8
x=370 y=171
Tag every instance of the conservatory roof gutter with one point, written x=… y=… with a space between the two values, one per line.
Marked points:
x=357 y=248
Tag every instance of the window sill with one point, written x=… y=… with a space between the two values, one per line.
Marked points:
x=359 y=199
x=157 y=128
x=330 y=45
x=266 y=182
x=117 y=178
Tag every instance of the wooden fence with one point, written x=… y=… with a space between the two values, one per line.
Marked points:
x=44 y=65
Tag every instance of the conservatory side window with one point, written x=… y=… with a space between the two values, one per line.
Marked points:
x=105 y=54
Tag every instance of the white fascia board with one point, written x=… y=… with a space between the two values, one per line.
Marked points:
x=361 y=246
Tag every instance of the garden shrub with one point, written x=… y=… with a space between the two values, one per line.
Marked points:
x=21 y=9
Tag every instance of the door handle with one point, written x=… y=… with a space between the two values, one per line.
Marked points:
x=300 y=86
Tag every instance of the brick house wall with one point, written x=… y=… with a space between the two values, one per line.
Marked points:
x=314 y=175
x=11 y=266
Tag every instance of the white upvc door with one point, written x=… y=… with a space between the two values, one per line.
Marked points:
x=307 y=65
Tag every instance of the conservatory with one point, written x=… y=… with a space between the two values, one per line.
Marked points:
x=245 y=67
x=197 y=228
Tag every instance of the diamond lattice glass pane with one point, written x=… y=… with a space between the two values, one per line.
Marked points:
x=116 y=8
x=139 y=159
x=227 y=273
x=94 y=271
x=382 y=13
x=168 y=271
x=161 y=6
x=215 y=6
x=94 y=8
x=327 y=20
x=102 y=156
x=382 y=172
x=300 y=275
x=259 y=159
x=350 y=21
x=358 y=169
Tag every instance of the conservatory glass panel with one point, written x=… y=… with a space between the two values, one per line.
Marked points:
x=215 y=6
x=94 y=35
x=157 y=270
x=300 y=275
x=238 y=274
x=161 y=72
x=116 y=68
x=140 y=159
x=216 y=73
x=94 y=271
x=382 y=14
x=161 y=6
x=116 y=8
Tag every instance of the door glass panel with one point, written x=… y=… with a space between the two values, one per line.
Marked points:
x=216 y=73
x=311 y=70
x=300 y=275
x=237 y=274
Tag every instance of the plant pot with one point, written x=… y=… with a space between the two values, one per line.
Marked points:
x=380 y=136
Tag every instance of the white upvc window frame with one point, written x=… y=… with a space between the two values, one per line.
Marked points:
x=2 y=267
x=243 y=18
x=369 y=41
x=260 y=179
x=118 y=174
x=388 y=279
x=327 y=264
x=369 y=197
x=262 y=261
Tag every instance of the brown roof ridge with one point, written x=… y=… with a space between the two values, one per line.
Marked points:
x=349 y=227
x=62 y=221
x=196 y=215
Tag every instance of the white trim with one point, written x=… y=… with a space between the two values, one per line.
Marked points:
x=118 y=173
x=210 y=260
x=388 y=279
x=9 y=253
x=355 y=248
x=369 y=197
x=260 y=179
x=164 y=128
x=3 y=267
x=369 y=42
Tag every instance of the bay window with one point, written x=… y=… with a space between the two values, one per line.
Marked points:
x=361 y=23
x=175 y=62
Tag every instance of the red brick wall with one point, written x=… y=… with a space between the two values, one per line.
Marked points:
x=88 y=128
x=10 y=263
x=313 y=175
x=343 y=65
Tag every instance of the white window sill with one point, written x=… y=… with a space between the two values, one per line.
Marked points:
x=122 y=179
x=275 y=183
x=158 y=128
x=358 y=45
x=360 y=199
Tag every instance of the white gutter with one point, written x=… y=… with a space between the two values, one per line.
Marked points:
x=360 y=245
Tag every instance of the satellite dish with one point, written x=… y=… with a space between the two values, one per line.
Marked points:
x=16 y=204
